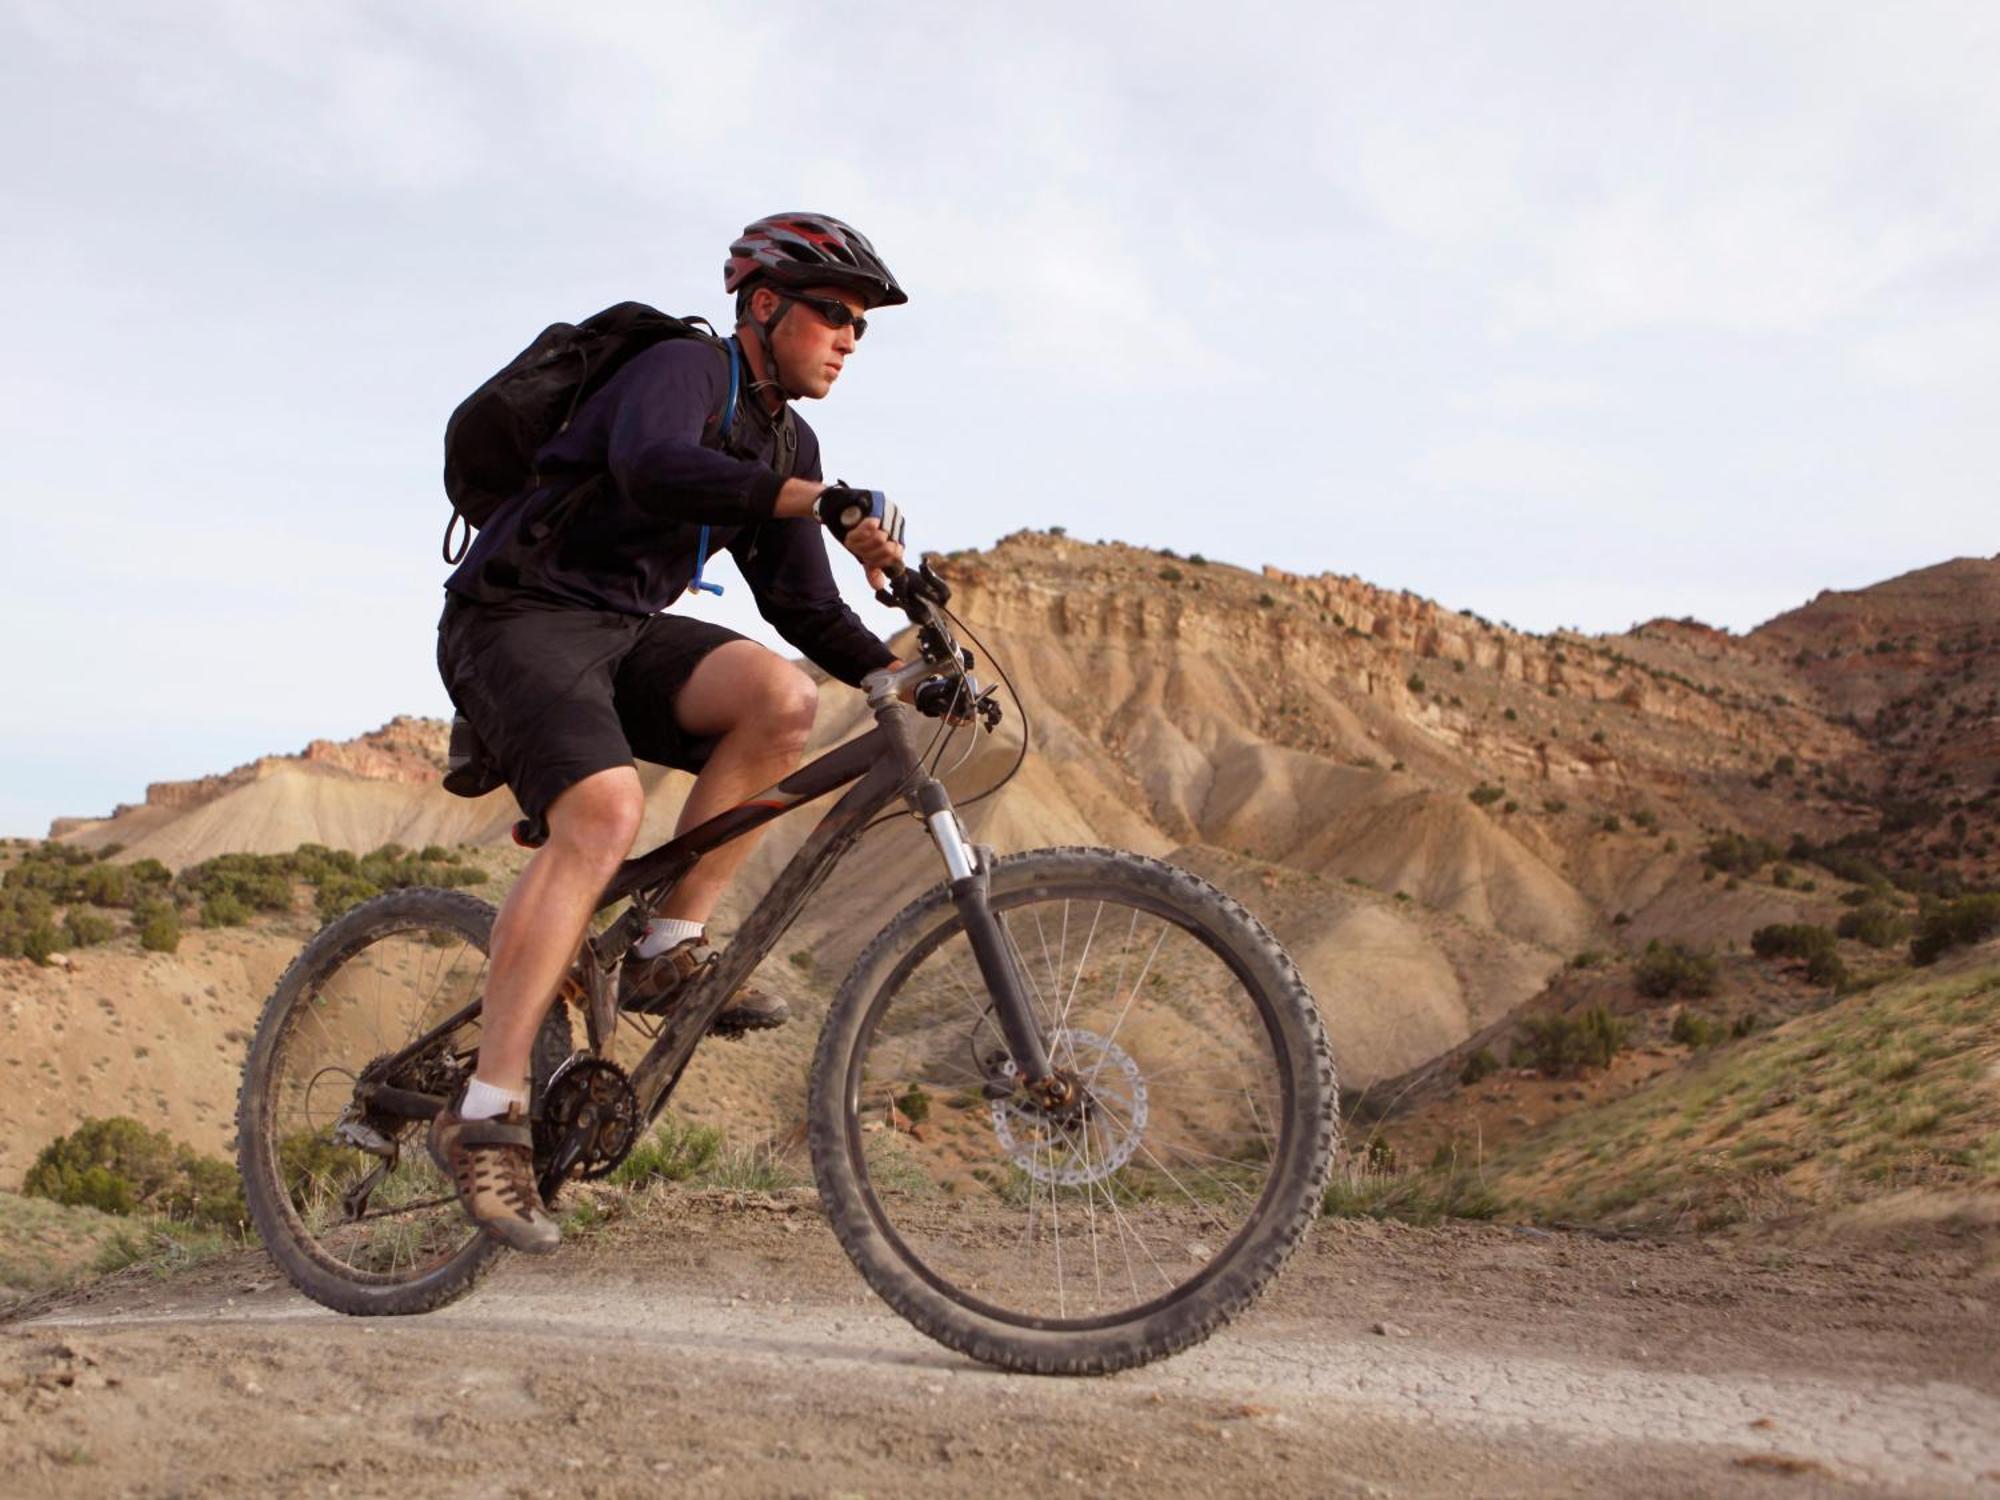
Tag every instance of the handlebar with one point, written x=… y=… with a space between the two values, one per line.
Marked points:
x=908 y=591
x=945 y=687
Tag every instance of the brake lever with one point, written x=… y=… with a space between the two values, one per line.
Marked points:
x=907 y=586
x=987 y=708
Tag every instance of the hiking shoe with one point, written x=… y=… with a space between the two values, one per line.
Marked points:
x=492 y=1164
x=652 y=986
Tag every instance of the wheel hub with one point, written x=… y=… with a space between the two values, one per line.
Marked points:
x=1085 y=1122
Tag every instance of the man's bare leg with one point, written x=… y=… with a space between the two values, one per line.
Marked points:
x=591 y=828
x=762 y=707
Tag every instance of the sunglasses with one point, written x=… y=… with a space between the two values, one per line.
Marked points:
x=837 y=313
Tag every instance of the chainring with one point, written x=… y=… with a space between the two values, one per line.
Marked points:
x=590 y=1119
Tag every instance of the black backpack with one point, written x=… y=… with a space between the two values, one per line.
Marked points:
x=492 y=438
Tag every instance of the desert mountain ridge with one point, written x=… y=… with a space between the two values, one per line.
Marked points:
x=1435 y=812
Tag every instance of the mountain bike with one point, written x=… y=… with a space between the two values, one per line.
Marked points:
x=1069 y=1111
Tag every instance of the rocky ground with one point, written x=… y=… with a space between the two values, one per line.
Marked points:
x=720 y=1344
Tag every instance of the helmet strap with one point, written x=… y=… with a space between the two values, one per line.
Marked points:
x=766 y=332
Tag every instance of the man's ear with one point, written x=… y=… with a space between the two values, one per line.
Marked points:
x=764 y=302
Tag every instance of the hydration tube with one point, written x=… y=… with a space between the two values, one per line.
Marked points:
x=698 y=584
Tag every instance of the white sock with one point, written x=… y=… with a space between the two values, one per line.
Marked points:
x=485 y=1102
x=662 y=933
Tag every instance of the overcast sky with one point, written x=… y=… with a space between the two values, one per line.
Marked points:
x=1569 y=314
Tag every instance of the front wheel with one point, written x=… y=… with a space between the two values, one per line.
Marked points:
x=1163 y=1195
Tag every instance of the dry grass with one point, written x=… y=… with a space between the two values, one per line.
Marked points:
x=1893 y=1090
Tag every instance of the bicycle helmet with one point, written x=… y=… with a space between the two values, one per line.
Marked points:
x=801 y=250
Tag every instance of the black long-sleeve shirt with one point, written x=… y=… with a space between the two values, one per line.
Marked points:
x=627 y=487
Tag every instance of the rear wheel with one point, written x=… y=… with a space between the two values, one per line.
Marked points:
x=348 y=1203
x=1146 y=1210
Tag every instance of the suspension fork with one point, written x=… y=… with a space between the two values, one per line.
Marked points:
x=971 y=874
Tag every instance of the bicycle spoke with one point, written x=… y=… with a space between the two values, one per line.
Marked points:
x=1169 y=1137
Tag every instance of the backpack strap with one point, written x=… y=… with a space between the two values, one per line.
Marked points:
x=698 y=584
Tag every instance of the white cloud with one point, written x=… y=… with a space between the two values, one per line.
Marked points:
x=313 y=88
x=1463 y=297
x=1568 y=476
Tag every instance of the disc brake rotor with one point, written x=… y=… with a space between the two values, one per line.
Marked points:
x=1088 y=1140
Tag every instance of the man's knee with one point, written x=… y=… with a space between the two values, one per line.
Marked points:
x=776 y=703
x=791 y=702
x=599 y=815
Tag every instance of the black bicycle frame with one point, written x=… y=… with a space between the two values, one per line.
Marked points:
x=883 y=764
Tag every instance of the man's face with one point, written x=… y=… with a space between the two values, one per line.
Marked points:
x=810 y=351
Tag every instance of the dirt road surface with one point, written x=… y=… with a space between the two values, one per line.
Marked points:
x=718 y=1345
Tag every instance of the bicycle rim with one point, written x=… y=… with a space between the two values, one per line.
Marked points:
x=1128 y=1203
x=359 y=1193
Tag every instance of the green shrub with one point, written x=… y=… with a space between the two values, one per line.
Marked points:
x=1738 y=853
x=915 y=1104
x=1610 y=823
x=86 y=929
x=1802 y=940
x=339 y=892
x=1560 y=1046
x=1553 y=805
x=677 y=1151
x=1482 y=1064
x=1669 y=969
x=1942 y=925
x=161 y=932
x=1416 y=683
x=1791 y=940
x=1645 y=820
x=42 y=942
x=1691 y=1029
x=95 y=1187
x=1170 y=574
x=121 y=1166
x=1265 y=601
x=224 y=909
x=1824 y=966
x=106 y=885
x=1485 y=796
x=1875 y=924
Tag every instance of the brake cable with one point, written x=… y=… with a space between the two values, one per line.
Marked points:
x=946 y=728
x=1020 y=707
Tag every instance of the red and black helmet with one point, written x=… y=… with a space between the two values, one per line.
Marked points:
x=800 y=250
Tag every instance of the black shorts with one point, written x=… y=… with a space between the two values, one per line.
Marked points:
x=560 y=692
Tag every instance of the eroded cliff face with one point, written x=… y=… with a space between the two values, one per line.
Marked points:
x=407 y=749
x=1345 y=669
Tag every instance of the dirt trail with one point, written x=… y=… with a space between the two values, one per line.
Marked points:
x=720 y=1347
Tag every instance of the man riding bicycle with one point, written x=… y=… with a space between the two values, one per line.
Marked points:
x=557 y=646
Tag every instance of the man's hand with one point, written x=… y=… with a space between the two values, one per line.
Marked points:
x=871 y=544
x=866 y=524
